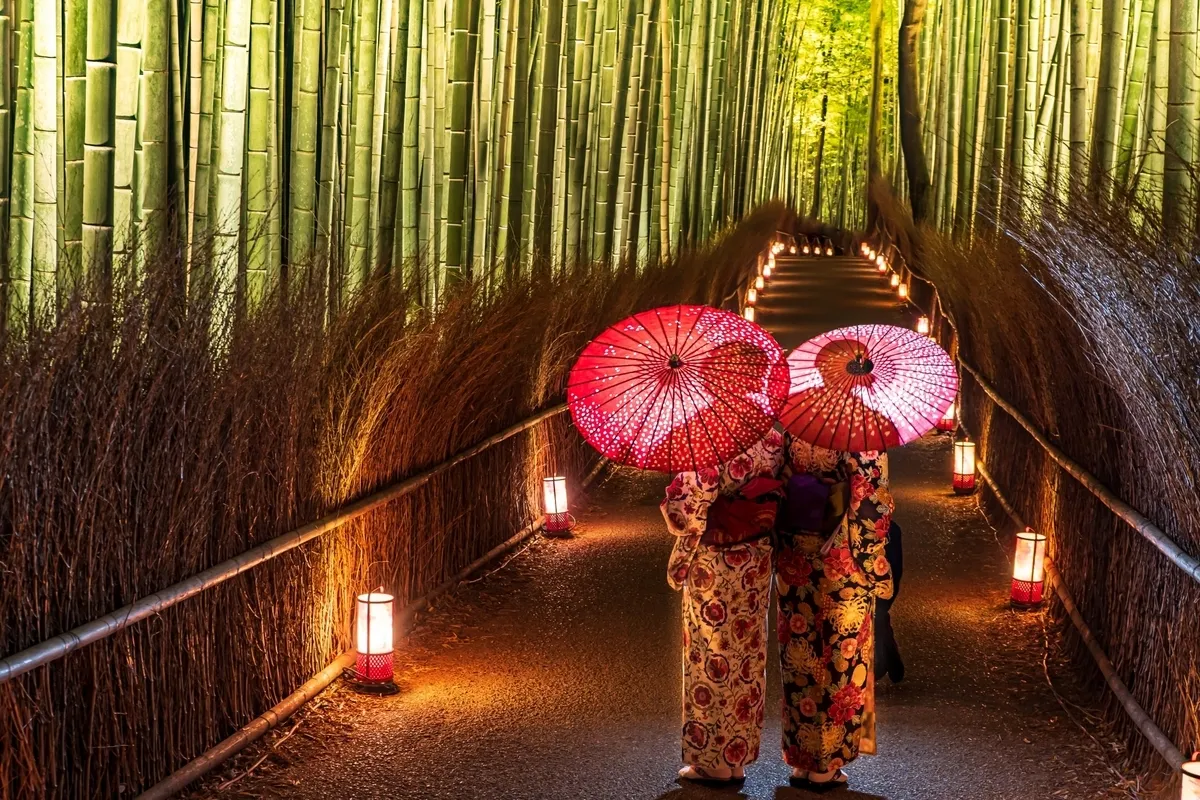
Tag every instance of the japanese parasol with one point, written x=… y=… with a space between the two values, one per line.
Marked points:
x=868 y=387
x=679 y=388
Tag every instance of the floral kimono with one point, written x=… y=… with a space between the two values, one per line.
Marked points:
x=827 y=585
x=726 y=595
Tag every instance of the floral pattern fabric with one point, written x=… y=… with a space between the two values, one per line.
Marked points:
x=726 y=596
x=725 y=601
x=826 y=591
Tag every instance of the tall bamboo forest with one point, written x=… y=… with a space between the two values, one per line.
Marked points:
x=279 y=141
x=1017 y=100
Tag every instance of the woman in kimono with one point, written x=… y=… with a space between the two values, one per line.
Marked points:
x=722 y=519
x=830 y=567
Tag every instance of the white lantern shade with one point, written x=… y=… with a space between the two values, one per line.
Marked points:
x=792 y=250
x=1191 y=780
x=1029 y=568
x=749 y=313
x=554 y=490
x=373 y=637
x=923 y=326
x=767 y=270
x=760 y=282
x=752 y=296
x=964 y=467
x=895 y=279
x=828 y=251
x=902 y=290
x=880 y=260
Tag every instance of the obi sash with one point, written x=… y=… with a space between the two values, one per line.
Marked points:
x=745 y=516
x=814 y=506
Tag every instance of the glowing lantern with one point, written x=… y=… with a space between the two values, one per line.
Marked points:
x=882 y=267
x=760 y=283
x=1029 y=569
x=1191 y=779
x=870 y=254
x=554 y=491
x=792 y=250
x=902 y=290
x=767 y=269
x=895 y=280
x=964 y=467
x=752 y=296
x=770 y=262
x=923 y=326
x=880 y=261
x=373 y=642
x=749 y=313
x=828 y=251
x=949 y=420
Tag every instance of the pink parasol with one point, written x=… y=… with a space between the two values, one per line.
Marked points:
x=868 y=387
x=679 y=388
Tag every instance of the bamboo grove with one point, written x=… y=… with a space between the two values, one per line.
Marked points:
x=1095 y=99
x=328 y=139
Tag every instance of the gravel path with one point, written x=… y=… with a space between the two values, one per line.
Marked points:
x=558 y=676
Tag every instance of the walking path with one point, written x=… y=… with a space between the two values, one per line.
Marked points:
x=558 y=676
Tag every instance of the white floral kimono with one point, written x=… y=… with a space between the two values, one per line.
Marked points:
x=726 y=595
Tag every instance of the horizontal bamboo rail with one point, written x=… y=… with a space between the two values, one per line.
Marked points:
x=1132 y=516
x=58 y=646
x=1159 y=740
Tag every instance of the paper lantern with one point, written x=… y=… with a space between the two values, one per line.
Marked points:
x=880 y=260
x=882 y=267
x=768 y=269
x=923 y=326
x=373 y=642
x=792 y=250
x=871 y=253
x=828 y=251
x=949 y=421
x=895 y=280
x=554 y=491
x=1029 y=569
x=806 y=249
x=752 y=296
x=749 y=313
x=902 y=290
x=964 y=467
x=760 y=283
x=1191 y=779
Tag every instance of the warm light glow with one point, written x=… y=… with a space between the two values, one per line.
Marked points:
x=752 y=296
x=554 y=491
x=863 y=248
x=807 y=249
x=964 y=467
x=880 y=260
x=760 y=283
x=1029 y=568
x=770 y=262
x=767 y=270
x=373 y=639
x=902 y=290
x=949 y=420
x=792 y=250
x=1191 y=780
x=881 y=266
x=828 y=251
x=923 y=326
x=871 y=254
x=895 y=279
x=749 y=313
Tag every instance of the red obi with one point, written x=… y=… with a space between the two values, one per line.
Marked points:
x=745 y=516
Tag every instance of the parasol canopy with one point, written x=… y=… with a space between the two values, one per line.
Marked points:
x=868 y=387
x=679 y=388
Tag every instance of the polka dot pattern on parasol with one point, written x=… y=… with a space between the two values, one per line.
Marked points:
x=868 y=387
x=679 y=388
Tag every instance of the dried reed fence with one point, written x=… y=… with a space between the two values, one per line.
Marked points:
x=134 y=454
x=1086 y=324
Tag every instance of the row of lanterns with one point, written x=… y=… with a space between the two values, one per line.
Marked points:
x=1028 y=578
x=763 y=274
x=374 y=629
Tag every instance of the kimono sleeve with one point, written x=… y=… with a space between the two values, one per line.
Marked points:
x=685 y=509
x=870 y=515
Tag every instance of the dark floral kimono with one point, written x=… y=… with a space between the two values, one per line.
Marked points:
x=827 y=587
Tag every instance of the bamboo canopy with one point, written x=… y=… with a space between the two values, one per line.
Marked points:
x=325 y=140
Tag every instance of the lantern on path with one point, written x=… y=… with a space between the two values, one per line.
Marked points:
x=902 y=290
x=554 y=494
x=1191 y=779
x=373 y=643
x=881 y=261
x=949 y=420
x=760 y=283
x=1029 y=569
x=752 y=296
x=769 y=268
x=964 y=467
x=792 y=250
x=749 y=313
x=895 y=280
x=923 y=326
x=870 y=254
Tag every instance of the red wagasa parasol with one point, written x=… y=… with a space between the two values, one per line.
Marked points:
x=868 y=387
x=679 y=388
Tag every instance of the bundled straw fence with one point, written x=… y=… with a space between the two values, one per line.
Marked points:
x=134 y=455
x=1085 y=325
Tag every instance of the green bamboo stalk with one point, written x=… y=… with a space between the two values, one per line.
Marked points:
x=1179 y=202
x=154 y=106
x=1139 y=62
x=357 y=208
x=1104 y=123
x=45 y=156
x=256 y=184
x=20 y=244
x=74 y=65
x=303 y=178
x=231 y=150
x=7 y=155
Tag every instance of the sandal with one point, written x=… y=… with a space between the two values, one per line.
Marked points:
x=695 y=774
x=839 y=779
